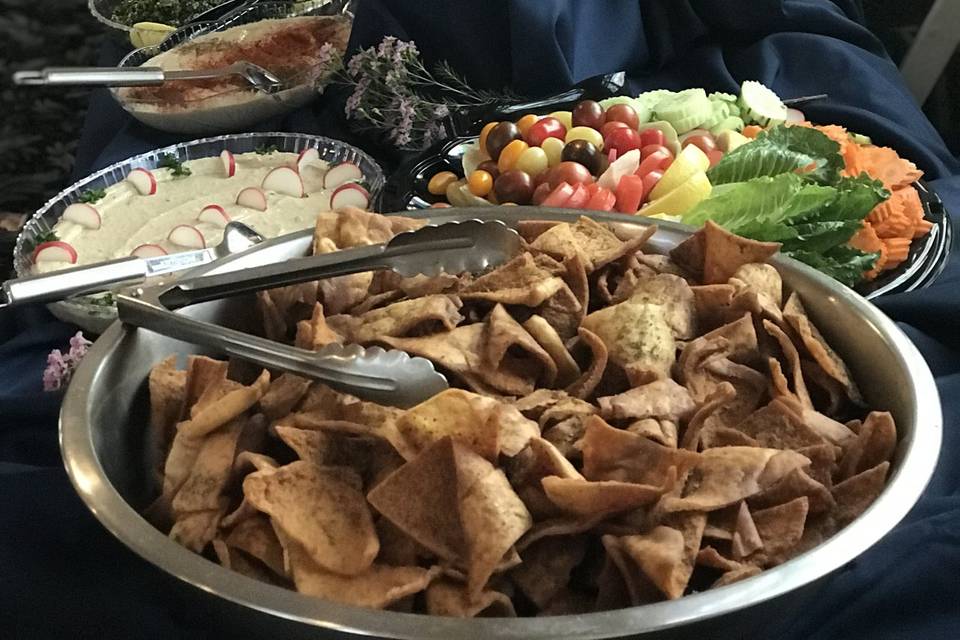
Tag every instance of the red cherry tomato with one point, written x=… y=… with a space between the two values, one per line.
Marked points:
x=650 y=149
x=548 y=127
x=649 y=182
x=651 y=136
x=623 y=113
x=623 y=140
x=540 y=193
x=570 y=172
x=656 y=161
x=611 y=125
x=715 y=156
x=705 y=142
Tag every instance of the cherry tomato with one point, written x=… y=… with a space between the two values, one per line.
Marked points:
x=526 y=122
x=480 y=183
x=570 y=172
x=715 y=156
x=540 y=193
x=499 y=137
x=553 y=147
x=705 y=142
x=483 y=135
x=565 y=118
x=510 y=154
x=610 y=126
x=588 y=113
x=490 y=167
x=533 y=161
x=650 y=149
x=514 y=186
x=656 y=161
x=438 y=183
x=589 y=134
x=623 y=140
x=651 y=136
x=623 y=113
x=649 y=182
x=583 y=152
x=539 y=131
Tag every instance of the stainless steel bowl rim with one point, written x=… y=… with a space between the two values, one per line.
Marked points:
x=144 y=160
x=904 y=487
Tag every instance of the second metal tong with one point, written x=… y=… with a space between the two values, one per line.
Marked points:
x=258 y=77
x=387 y=377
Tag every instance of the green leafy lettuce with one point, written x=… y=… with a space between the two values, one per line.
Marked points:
x=786 y=187
x=782 y=150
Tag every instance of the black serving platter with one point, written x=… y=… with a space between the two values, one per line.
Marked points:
x=406 y=190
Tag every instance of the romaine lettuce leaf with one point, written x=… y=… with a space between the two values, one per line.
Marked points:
x=842 y=263
x=782 y=150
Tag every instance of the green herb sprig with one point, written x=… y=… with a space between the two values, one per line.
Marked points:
x=176 y=166
x=93 y=195
x=44 y=236
x=264 y=149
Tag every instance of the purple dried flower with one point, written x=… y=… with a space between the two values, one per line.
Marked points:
x=353 y=66
x=441 y=111
x=353 y=102
x=60 y=366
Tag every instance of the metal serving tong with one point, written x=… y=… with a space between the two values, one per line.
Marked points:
x=387 y=377
x=258 y=77
x=123 y=272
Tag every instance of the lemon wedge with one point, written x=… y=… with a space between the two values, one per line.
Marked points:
x=149 y=34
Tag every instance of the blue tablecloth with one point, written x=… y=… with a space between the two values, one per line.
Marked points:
x=63 y=576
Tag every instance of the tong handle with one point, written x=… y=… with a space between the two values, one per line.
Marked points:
x=396 y=380
x=50 y=287
x=91 y=76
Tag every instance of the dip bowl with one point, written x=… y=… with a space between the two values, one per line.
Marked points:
x=104 y=442
x=95 y=313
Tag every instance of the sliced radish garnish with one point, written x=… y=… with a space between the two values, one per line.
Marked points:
x=252 y=198
x=148 y=251
x=795 y=115
x=143 y=181
x=350 y=195
x=342 y=174
x=284 y=180
x=186 y=235
x=307 y=156
x=229 y=163
x=83 y=214
x=55 y=251
x=214 y=214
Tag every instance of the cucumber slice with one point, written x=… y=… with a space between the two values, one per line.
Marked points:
x=651 y=98
x=642 y=109
x=731 y=123
x=685 y=110
x=859 y=138
x=719 y=111
x=722 y=97
x=761 y=105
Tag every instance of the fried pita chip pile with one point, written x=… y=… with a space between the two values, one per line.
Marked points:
x=621 y=429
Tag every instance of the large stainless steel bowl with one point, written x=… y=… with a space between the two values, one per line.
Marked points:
x=104 y=442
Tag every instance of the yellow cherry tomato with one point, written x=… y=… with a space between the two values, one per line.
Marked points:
x=553 y=147
x=524 y=123
x=566 y=117
x=483 y=136
x=510 y=154
x=480 y=183
x=533 y=161
x=439 y=182
x=585 y=133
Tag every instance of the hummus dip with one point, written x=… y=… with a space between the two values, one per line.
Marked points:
x=129 y=219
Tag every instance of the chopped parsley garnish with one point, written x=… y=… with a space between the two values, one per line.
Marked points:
x=44 y=236
x=172 y=12
x=105 y=300
x=265 y=149
x=92 y=195
x=170 y=161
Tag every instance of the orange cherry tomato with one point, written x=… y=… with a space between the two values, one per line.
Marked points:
x=510 y=154
x=483 y=136
x=526 y=122
x=480 y=183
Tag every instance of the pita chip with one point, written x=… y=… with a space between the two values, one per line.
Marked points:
x=664 y=399
x=546 y=567
x=449 y=598
x=520 y=281
x=725 y=252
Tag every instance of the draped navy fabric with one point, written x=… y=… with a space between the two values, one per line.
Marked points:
x=63 y=576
